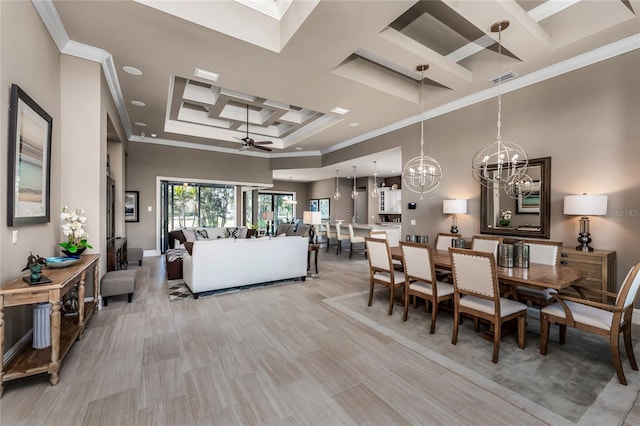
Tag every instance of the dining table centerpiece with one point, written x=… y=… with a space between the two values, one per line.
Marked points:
x=73 y=228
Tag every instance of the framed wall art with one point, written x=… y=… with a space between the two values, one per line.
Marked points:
x=323 y=205
x=531 y=203
x=131 y=206
x=313 y=205
x=29 y=168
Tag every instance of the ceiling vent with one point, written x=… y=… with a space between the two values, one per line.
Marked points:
x=502 y=77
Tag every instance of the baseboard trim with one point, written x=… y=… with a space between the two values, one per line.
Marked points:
x=13 y=351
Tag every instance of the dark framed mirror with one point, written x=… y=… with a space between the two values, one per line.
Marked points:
x=530 y=215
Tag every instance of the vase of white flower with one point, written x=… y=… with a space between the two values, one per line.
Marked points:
x=505 y=217
x=72 y=227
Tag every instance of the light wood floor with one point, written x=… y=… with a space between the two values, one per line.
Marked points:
x=274 y=355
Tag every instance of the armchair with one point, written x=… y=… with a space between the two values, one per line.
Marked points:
x=606 y=320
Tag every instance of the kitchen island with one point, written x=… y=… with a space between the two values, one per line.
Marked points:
x=393 y=230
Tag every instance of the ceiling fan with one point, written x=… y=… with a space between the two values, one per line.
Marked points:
x=250 y=143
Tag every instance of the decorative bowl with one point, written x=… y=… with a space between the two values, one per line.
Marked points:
x=61 y=262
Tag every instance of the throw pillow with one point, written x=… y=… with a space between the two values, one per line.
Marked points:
x=189 y=247
x=201 y=234
x=227 y=232
x=189 y=235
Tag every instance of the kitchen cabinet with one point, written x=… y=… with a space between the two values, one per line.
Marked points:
x=389 y=201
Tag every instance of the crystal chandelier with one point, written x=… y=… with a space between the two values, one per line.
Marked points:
x=374 y=191
x=422 y=174
x=354 y=191
x=336 y=196
x=501 y=164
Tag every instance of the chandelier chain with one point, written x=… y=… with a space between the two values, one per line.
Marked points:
x=499 y=137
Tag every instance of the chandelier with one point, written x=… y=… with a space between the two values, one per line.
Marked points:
x=354 y=191
x=422 y=174
x=336 y=196
x=374 y=191
x=501 y=164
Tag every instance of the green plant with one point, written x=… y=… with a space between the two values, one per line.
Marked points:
x=72 y=227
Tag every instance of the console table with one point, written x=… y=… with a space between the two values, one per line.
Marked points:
x=64 y=330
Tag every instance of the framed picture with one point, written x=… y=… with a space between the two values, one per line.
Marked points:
x=29 y=171
x=313 y=205
x=323 y=205
x=531 y=203
x=131 y=206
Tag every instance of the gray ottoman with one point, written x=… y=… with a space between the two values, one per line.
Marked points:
x=115 y=283
x=134 y=255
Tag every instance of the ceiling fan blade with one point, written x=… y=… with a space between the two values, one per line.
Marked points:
x=263 y=148
x=244 y=147
x=263 y=143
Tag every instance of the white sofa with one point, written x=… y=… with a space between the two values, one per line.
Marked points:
x=226 y=263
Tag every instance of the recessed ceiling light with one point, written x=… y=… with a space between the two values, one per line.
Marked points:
x=138 y=103
x=131 y=70
x=298 y=148
x=207 y=75
x=354 y=124
x=339 y=110
x=140 y=123
x=393 y=171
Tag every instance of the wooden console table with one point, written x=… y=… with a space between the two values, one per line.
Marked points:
x=64 y=330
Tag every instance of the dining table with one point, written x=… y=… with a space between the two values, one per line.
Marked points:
x=537 y=275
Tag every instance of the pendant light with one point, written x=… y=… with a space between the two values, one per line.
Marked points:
x=291 y=201
x=501 y=165
x=374 y=191
x=422 y=174
x=336 y=196
x=354 y=191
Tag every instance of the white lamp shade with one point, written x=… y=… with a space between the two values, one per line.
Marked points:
x=454 y=206
x=585 y=205
x=267 y=215
x=311 y=218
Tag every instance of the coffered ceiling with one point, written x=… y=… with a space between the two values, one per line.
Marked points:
x=319 y=75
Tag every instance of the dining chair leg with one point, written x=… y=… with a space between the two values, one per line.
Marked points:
x=350 y=250
x=628 y=346
x=615 y=354
x=522 y=325
x=456 y=318
x=497 y=331
x=434 y=315
x=544 y=335
x=476 y=324
x=391 y=298
x=370 y=293
x=562 y=333
x=406 y=302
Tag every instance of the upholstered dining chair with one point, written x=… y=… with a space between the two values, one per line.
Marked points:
x=477 y=293
x=486 y=244
x=331 y=233
x=340 y=237
x=443 y=240
x=604 y=319
x=381 y=269
x=545 y=252
x=355 y=240
x=397 y=264
x=420 y=280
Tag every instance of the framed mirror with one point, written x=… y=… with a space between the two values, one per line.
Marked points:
x=529 y=216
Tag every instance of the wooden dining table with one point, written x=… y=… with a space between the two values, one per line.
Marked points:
x=537 y=275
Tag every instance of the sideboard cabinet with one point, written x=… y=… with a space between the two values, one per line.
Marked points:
x=64 y=330
x=599 y=266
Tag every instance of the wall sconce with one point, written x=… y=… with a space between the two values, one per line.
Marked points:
x=454 y=207
x=585 y=205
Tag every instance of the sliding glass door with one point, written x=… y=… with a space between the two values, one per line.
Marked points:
x=280 y=204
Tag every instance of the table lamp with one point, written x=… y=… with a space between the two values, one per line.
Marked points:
x=268 y=216
x=585 y=205
x=311 y=218
x=454 y=207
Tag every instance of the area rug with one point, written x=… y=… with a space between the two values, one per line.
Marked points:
x=574 y=384
x=178 y=290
